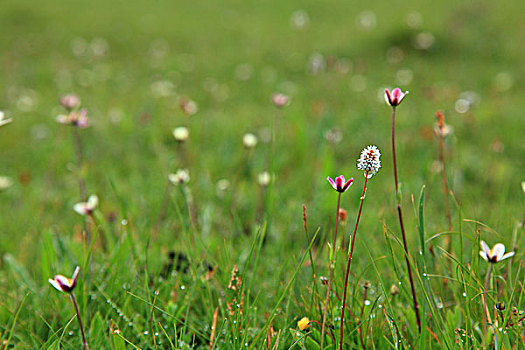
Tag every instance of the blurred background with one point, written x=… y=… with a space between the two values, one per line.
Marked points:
x=133 y=62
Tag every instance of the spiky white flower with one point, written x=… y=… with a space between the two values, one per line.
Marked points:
x=182 y=176
x=3 y=119
x=494 y=254
x=87 y=208
x=369 y=161
x=5 y=182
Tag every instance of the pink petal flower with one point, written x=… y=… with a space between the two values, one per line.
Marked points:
x=64 y=284
x=396 y=97
x=340 y=185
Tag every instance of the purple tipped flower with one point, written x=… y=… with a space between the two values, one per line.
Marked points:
x=70 y=101
x=396 y=97
x=494 y=254
x=339 y=184
x=64 y=284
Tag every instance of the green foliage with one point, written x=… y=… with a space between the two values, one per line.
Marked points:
x=159 y=272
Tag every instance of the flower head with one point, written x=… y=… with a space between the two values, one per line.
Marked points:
x=181 y=133
x=264 y=178
x=64 y=284
x=369 y=161
x=339 y=183
x=5 y=182
x=87 y=208
x=188 y=107
x=70 y=101
x=249 y=141
x=303 y=323
x=76 y=118
x=3 y=119
x=280 y=100
x=495 y=254
x=182 y=176
x=396 y=97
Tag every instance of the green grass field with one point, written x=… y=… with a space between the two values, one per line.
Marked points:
x=156 y=259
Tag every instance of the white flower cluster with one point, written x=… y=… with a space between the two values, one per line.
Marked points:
x=369 y=161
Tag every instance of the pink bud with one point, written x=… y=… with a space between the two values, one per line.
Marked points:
x=280 y=100
x=70 y=101
x=396 y=97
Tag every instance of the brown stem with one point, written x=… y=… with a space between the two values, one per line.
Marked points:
x=84 y=342
x=400 y=215
x=332 y=266
x=349 y=261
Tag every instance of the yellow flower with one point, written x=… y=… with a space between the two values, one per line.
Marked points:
x=303 y=323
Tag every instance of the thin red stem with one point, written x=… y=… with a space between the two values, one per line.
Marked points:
x=332 y=266
x=84 y=342
x=400 y=215
x=350 y=260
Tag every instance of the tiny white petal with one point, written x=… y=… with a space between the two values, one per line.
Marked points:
x=55 y=284
x=81 y=208
x=92 y=202
x=485 y=247
x=498 y=251
x=508 y=255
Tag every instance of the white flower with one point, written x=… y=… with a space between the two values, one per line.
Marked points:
x=494 y=254
x=3 y=119
x=264 y=179
x=5 y=182
x=181 y=133
x=249 y=140
x=280 y=100
x=369 y=161
x=87 y=208
x=64 y=284
x=182 y=176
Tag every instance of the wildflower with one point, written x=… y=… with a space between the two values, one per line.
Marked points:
x=394 y=290
x=249 y=140
x=369 y=161
x=5 y=182
x=182 y=176
x=78 y=119
x=3 y=119
x=343 y=215
x=339 y=184
x=396 y=97
x=495 y=254
x=181 y=133
x=442 y=129
x=280 y=100
x=303 y=323
x=188 y=107
x=64 y=284
x=87 y=208
x=264 y=179
x=70 y=101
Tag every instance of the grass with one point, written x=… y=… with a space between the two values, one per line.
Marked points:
x=159 y=287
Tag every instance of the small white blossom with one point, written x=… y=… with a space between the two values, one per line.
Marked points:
x=87 y=208
x=63 y=283
x=3 y=119
x=182 y=176
x=249 y=140
x=264 y=179
x=5 y=182
x=181 y=133
x=495 y=254
x=369 y=161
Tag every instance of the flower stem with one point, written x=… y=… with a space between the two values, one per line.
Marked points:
x=486 y=314
x=84 y=342
x=332 y=267
x=400 y=215
x=350 y=260
x=81 y=182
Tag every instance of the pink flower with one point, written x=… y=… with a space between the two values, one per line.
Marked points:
x=339 y=184
x=70 y=102
x=64 y=284
x=79 y=119
x=494 y=255
x=396 y=97
x=280 y=100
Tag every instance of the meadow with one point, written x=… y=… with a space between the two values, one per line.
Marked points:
x=215 y=222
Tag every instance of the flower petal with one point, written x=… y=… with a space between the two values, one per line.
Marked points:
x=483 y=255
x=388 y=98
x=332 y=182
x=55 y=284
x=508 y=255
x=498 y=251
x=75 y=277
x=348 y=184
x=81 y=208
x=485 y=248
x=92 y=202
x=339 y=181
